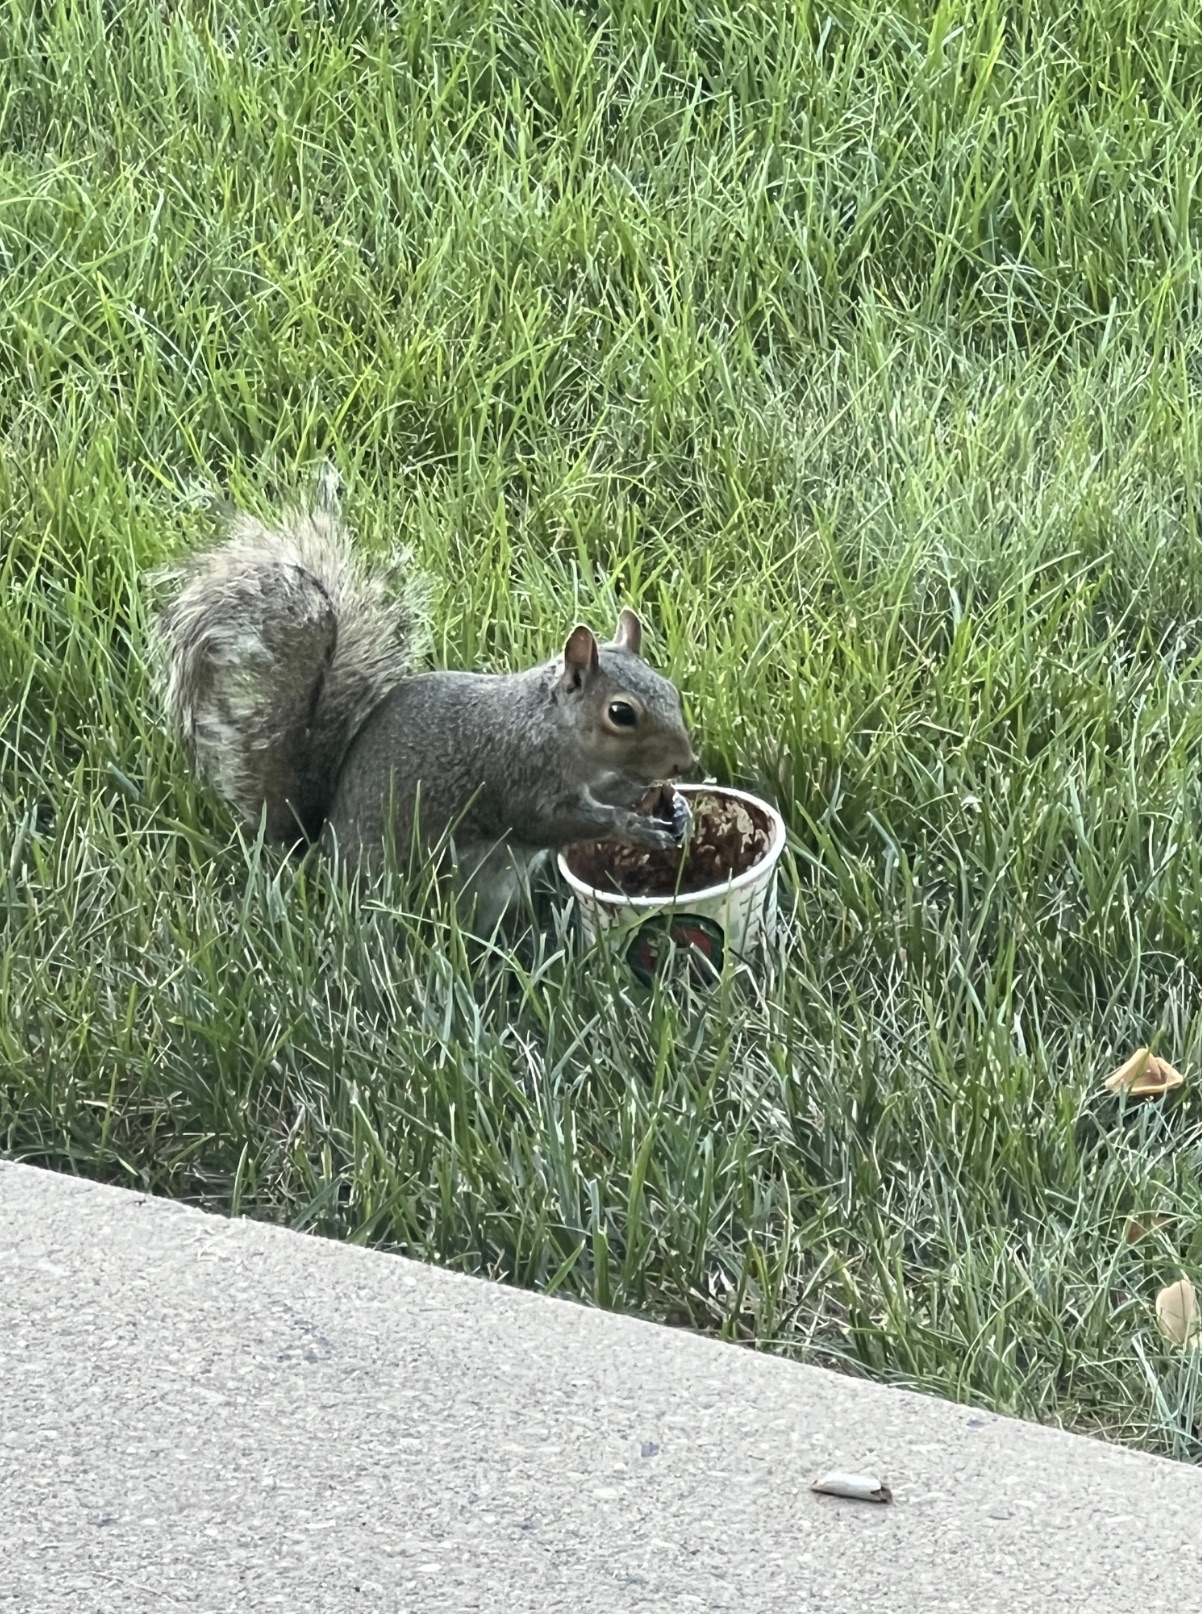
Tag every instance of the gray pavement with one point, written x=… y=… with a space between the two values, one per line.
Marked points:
x=203 y=1414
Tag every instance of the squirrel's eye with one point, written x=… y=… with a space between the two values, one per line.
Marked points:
x=622 y=714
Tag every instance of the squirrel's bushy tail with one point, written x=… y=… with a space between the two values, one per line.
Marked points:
x=276 y=649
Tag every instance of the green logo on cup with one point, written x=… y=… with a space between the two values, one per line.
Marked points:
x=699 y=941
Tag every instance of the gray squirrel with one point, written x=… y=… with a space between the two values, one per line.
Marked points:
x=293 y=680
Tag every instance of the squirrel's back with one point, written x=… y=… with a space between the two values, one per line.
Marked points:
x=278 y=647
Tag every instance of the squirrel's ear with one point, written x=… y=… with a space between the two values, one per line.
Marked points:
x=630 y=631
x=580 y=652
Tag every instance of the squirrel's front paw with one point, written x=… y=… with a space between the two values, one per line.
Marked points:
x=648 y=833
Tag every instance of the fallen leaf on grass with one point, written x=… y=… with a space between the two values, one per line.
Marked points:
x=1177 y=1314
x=859 y=1487
x=1138 y=1227
x=1144 y=1076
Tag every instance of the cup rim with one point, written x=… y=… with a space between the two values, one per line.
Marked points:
x=757 y=874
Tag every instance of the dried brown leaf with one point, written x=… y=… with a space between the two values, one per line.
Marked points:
x=1177 y=1314
x=1145 y=1075
x=1139 y=1227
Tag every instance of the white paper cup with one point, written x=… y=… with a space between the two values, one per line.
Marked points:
x=733 y=917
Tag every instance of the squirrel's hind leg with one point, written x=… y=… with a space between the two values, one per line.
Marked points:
x=494 y=879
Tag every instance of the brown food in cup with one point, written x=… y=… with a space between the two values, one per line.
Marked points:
x=727 y=838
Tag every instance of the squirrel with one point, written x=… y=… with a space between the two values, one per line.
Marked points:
x=294 y=682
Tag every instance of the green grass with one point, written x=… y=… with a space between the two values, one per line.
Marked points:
x=860 y=345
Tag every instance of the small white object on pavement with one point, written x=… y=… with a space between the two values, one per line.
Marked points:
x=860 y=1487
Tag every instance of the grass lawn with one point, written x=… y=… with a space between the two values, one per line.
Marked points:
x=859 y=344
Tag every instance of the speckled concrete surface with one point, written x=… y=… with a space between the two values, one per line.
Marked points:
x=202 y=1414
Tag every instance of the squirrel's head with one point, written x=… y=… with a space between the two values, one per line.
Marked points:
x=627 y=718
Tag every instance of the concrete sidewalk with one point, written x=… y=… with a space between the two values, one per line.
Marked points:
x=197 y=1413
